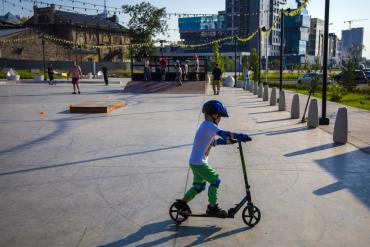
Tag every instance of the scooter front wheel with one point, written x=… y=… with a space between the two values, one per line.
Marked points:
x=176 y=215
x=251 y=215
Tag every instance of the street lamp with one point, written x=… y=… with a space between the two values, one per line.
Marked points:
x=162 y=41
x=43 y=55
x=260 y=30
x=235 y=51
x=282 y=46
x=324 y=120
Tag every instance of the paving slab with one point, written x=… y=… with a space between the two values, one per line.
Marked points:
x=109 y=179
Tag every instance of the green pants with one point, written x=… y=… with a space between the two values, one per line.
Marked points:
x=202 y=174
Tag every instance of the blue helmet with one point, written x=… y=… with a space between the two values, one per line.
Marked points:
x=215 y=107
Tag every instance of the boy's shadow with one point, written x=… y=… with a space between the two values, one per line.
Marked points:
x=204 y=234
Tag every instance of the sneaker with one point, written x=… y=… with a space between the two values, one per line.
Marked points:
x=216 y=211
x=79 y=92
x=182 y=206
x=74 y=93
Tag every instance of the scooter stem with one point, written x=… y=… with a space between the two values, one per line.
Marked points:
x=243 y=166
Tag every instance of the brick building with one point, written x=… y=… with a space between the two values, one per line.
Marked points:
x=84 y=29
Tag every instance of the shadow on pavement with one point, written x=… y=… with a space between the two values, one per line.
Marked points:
x=262 y=112
x=257 y=106
x=280 y=132
x=81 y=162
x=352 y=172
x=312 y=149
x=204 y=233
x=274 y=120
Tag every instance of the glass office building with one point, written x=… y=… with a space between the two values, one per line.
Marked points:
x=193 y=29
x=297 y=30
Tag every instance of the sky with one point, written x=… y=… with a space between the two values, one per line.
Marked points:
x=340 y=11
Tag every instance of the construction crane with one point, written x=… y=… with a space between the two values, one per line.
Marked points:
x=350 y=21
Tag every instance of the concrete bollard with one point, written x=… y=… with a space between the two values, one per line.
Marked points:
x=340 y=134
x=208 y=79
x=265 y=93
x=260 y=90
x=255 y=88
x=294 y=112
x=273 y=96
x=282 y=100
x=313 y=114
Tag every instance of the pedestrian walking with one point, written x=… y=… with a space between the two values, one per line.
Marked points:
x=178 y=74
x=105 y=75
x=185 y=71
x=76 y=73
x=246 y=78
x=163 y=63
x=216 y=79
x=147 y=72
x=51 y=74
x=197 y=67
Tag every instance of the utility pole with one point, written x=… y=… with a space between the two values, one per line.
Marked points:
x=324 y=120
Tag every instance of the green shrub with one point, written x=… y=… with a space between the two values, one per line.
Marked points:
x=336 y=92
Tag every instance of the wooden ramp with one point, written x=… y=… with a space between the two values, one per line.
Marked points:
x=96 y=106
x=169 y=87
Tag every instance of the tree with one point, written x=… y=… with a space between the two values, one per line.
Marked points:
x=306 y=65
x=316 y=65
x=349 y=67
x=254 y=63
x=355 y=52
x=145 y=22
x=276 y=64
x=24 y=19
x=217 y=59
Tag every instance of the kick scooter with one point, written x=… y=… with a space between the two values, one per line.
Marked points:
x=251 y=215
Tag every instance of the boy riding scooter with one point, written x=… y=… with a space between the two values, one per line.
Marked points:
x=204 y=139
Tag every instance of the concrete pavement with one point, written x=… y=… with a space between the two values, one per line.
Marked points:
x=358 y=119
x=108 y=180
x=111 y=80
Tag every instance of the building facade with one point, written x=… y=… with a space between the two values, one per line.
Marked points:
x=84 y=29
x=334 y=48
x=296 y=34
x=350 y=38
x=315 y=44
x=240 y=17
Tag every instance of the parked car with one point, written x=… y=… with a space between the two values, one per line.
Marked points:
x=367 y=73
x=308 y=77
x=360 y=77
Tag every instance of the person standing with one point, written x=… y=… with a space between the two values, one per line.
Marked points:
x=163 y=63
x=246 y=78
x=147 y=75
x=197 y=67
x=185 y=71
x=178 y=74
x=51 y=74
x=105 y=74
x=216 y=79
x=76 y=73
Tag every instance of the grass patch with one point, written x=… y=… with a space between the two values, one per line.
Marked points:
x=354 y=99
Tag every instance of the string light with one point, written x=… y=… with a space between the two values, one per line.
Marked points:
x=264 y=34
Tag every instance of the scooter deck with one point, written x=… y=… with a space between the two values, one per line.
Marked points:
x=199 y=214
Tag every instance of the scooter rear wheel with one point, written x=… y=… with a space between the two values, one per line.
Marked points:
x=251 y=215
x=175 y=214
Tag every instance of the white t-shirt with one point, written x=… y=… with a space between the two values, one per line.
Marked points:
x=203 y=138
